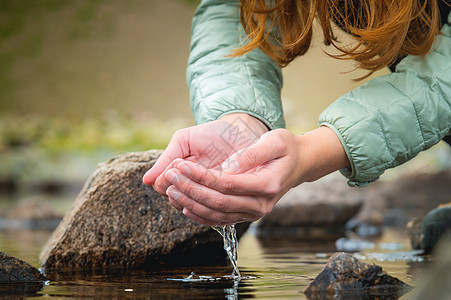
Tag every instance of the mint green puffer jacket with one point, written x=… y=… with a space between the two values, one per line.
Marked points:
x=381 y=124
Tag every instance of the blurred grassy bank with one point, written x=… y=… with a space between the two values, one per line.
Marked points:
x=41 y=149
x=82 y=81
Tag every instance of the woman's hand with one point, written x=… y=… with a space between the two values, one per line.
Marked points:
x=254 y=179
x=207 y=144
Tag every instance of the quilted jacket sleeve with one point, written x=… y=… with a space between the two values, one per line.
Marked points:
x=221 y=85
x=390 y=119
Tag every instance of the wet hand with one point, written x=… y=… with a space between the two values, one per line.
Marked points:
x=248 y=186
x=207 y=144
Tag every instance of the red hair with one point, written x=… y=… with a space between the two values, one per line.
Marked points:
x=385 y=30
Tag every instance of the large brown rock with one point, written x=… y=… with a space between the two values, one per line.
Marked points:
x=119 y=222
x=344 y=277
x=313 y=210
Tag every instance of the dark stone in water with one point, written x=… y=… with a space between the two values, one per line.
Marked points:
x=435 y=224
x=18 y=278
x=344 y=277
x=15 y=270
x=119 y=222
x=425 y=233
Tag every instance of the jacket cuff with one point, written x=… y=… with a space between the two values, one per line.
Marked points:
x=349 y=173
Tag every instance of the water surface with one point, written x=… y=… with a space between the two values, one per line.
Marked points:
x=271 y=269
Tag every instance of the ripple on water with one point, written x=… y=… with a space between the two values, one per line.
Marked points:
x=193 y=277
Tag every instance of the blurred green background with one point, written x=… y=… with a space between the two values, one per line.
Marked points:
x=83 y=80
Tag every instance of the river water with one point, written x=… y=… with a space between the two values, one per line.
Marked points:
x=270 y=268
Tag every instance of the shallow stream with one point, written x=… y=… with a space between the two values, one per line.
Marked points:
x=270 y=269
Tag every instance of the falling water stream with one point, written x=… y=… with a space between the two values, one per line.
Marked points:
x=228 y=233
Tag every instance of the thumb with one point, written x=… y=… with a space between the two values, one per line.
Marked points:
x=251 y=157
x=177 y=148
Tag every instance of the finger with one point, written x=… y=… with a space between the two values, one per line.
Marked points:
x=206 y=213
x=254 y=183
x=161 y=183
x=199 y=219
x=178 y=147
x=172 y=190
x=267 y=148
x=212 y=217
x=213 y=199
x=205 y=221
x=216 y=217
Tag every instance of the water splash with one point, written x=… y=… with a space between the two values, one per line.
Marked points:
x=228 y=233
x=193 y=277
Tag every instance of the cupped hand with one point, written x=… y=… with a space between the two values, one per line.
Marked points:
x=252 y=180
x=208 y=145
x=248 y=186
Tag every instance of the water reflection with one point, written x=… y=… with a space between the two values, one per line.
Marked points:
x=20 y=289
x=146 y=284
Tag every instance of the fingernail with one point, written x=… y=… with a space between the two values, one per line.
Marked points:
x=186 y=212
x=230 y=166
x=173 y=193
x=184 y=169
x=145 y=180
x=171 y=176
